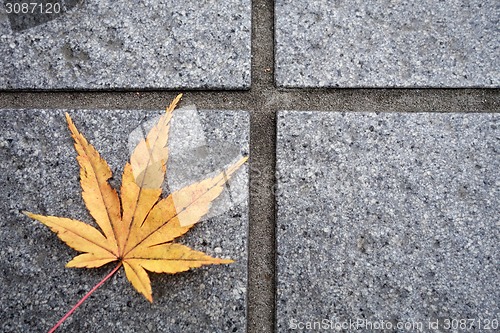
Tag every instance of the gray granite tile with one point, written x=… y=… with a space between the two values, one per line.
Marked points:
x=39 y=173
x=126 y=44
x=367 y=43
x=387 y=218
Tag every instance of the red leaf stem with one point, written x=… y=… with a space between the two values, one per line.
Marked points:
x=52 y=330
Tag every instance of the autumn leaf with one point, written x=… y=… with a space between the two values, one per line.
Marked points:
x=137 y=227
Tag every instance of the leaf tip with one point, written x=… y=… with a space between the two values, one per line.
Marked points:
x=174 y=103
x=28 y=214
x=71 y=125
x=238 y=164
x=68 y=119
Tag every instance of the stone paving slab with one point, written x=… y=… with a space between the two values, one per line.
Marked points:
x=126 y=44
x=387 y=43
x=387 y=218
x=39 y=173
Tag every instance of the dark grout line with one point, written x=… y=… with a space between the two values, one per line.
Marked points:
x=261 y=282
x=266 y=98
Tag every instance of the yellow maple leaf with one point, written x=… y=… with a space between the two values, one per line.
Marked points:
x=137 y=227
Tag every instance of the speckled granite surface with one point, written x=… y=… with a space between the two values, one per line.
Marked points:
x=368 y=43
x=127 y=44
x=387 y=218
x=39 y=173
